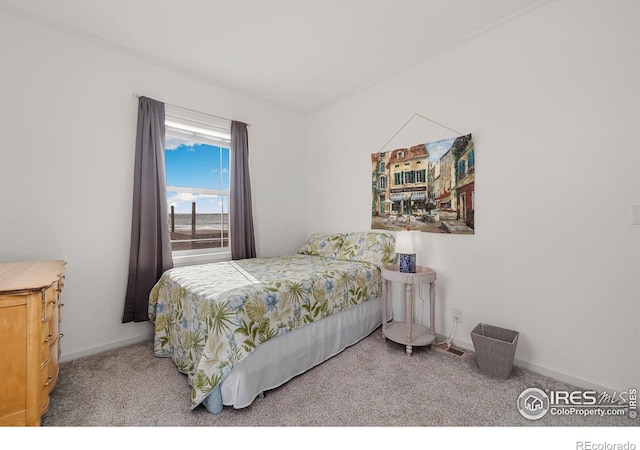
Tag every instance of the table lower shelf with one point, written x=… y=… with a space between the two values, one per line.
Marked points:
x=397 y=332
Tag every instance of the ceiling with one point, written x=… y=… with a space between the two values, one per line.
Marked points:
x=299 y=54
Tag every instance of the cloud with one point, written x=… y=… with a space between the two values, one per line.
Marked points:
x=172 y=143
x=182 y=197
x=205 y=203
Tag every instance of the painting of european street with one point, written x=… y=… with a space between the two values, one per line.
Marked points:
x=427 y=187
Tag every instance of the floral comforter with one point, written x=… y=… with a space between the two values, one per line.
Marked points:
x=209 y=317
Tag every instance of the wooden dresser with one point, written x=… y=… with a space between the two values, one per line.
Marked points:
x=29 y=339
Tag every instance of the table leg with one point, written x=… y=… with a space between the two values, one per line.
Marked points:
x=408 y=297
x=432 y=310
x=384 y=308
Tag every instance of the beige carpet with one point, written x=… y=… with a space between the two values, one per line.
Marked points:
x=371 y=384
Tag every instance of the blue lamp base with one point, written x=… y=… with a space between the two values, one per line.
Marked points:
x=408 y=262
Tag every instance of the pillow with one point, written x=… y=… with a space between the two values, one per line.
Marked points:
x=322 y=244
x=375 y=248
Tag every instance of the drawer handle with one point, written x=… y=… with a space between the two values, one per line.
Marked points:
x=61 y=335
x=44 y=364
x=49 y=381
x=48 y=338
x=60 y=305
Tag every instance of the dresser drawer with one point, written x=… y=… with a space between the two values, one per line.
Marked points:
x=54 y=364
x=49 y=301
x=49 y=376
x=44 y=353
x=51 y=328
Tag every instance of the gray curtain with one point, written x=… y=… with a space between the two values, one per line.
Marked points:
x=150 y=239
x=243 y=243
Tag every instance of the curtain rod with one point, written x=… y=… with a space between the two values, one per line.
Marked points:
x=136 y=95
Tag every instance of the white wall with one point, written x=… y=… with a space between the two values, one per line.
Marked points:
x=552 y=102
x=66 y=167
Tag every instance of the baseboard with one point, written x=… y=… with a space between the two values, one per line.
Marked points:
x=557 y=374
x=551 y=372
x=105 y=347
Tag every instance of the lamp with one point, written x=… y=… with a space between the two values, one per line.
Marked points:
x=405 y=249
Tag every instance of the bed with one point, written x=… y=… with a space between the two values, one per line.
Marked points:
x=240 y=328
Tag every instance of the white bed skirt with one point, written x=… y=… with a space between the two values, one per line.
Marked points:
x=278 y=360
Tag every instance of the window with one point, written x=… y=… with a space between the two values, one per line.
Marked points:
x=382 y=183
x=461 y=169
x=197 y=163
x=410 y=177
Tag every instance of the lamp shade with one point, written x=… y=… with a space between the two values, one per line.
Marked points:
x=404 y=242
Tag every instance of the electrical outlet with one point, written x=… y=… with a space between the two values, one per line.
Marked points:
x=456 y=315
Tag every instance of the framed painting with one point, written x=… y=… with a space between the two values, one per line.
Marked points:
x=427 y=187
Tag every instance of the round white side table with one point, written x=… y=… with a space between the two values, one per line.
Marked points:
x=407 y=332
